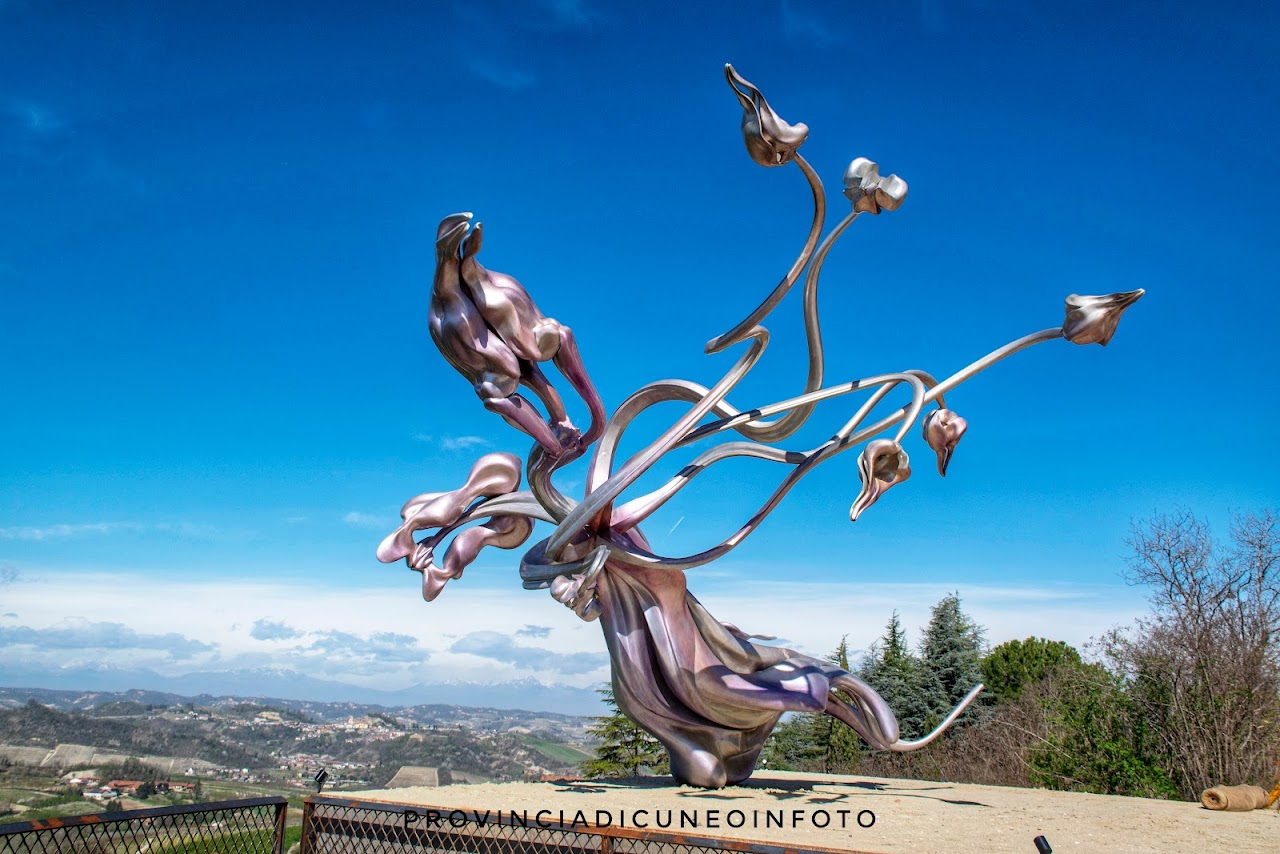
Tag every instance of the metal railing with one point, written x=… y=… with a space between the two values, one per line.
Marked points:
x=252 y=826
x=333 y=825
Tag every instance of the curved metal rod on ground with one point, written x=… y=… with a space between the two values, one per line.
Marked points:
x=601 y=498
x=742 y=330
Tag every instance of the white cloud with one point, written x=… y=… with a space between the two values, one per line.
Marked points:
x=362 y=520
x=388 y=638
x=503 y=648
x=81 y=635
x=453 y=443
x=462 y=443
x=265 y=629
x=61 y=531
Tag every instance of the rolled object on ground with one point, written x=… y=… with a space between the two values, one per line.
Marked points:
x=1235 y=798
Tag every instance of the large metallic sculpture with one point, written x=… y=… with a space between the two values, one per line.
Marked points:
x=705 y=689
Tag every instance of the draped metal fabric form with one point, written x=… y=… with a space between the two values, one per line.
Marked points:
x=707 y=691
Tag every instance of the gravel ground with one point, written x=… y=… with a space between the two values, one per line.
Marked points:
x=909 y=815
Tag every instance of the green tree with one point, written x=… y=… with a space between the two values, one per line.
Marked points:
x=1095 y=737
x=1013 y=665
x=898 y=677
x=950 y=654
x=626 y=749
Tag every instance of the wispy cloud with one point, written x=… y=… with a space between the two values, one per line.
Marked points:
x=503 y=648
x=503 y=76
x=62 y=531
x=272 y=630
x=803 y=25
x=533 y=632
x=35 y=119
x=84 y=635
x=362 y=520
x=570 y=14
x=453 y=443
x=462 y=443
x=9 y=574
x=382 y=646
x=70 y=530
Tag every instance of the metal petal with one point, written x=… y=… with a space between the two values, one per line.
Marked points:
x=881 y=465
x=770 y=140
x=943 y=430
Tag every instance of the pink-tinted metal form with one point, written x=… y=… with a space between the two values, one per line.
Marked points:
x=707 y=690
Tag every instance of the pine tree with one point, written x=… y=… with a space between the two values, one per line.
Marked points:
x=626 y=750
x=898 y=677
x=951 y=656
x=843 y=751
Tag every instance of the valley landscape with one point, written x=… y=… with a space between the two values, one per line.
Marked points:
x=71 y=753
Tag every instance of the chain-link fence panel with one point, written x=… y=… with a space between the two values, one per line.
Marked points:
x=253 y=826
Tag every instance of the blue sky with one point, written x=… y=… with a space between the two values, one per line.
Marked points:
x=216 y=229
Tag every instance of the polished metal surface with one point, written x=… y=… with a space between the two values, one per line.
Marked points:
x=705 y=689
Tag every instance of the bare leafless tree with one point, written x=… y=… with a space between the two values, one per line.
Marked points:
x=1203 y=665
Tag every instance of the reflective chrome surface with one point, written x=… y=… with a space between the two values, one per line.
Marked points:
x=705 y=689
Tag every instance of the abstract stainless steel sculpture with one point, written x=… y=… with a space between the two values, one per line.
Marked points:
x=705 y=689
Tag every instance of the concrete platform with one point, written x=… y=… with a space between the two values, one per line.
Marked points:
x=869 y=814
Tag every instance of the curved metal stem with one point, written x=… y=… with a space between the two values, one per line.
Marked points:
x=742 y=330
x=901 y=746
x=601 y=498
x=795 y=419
x=836 y=445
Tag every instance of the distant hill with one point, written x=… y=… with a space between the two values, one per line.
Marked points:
x=105 y=704
x=277 y=682
x=54 y=728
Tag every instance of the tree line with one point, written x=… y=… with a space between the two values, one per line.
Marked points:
x=1185 y=698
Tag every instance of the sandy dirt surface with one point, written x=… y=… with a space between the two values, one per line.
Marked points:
x=904 y=815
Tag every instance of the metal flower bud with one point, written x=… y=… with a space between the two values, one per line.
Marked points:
x=881 y=465
x=1093 y=320
x=943 y=430
x=770 y=140
x=869 y=191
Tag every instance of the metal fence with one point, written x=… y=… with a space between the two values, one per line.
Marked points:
x=333 y=825
x=253 y=826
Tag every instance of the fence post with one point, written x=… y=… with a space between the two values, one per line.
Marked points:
x=282 y=811
x=308 y=828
